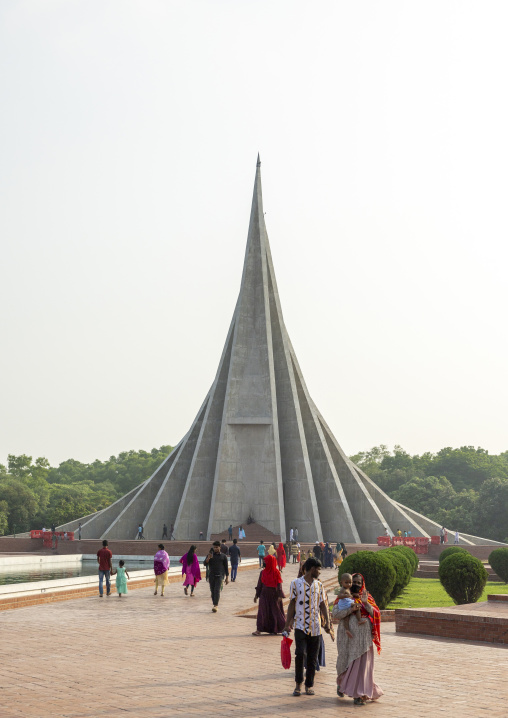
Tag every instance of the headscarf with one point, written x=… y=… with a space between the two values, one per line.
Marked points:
x=375 y=619
x=281 y=555
x=160 y=562
x=270 y=576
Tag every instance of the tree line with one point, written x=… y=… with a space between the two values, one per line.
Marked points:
x=34 y=494
x=463 y=489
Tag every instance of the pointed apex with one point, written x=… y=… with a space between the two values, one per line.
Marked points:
x=258 y=164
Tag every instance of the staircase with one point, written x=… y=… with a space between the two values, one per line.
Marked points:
x=254 y=533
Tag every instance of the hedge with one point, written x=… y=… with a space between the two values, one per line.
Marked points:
x=409 y=554
x=403 y=570
x=463 y=577
x=377 y=571
x=449 y=551
x=498 y=560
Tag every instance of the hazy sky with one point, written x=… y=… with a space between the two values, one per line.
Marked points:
x=128 y=141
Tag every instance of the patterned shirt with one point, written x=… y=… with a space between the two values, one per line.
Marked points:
x=307 y=597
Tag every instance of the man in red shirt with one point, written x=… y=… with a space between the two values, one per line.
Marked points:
x=104 y=557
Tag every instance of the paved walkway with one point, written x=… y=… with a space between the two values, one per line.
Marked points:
x=153 y=657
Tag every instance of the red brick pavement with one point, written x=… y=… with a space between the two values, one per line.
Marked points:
x=153 y=657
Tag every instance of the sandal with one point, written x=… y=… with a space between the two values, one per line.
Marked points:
x=340 y=693
x=359 y=702
x=309 y=692
x=256 y=633
x=297 y=692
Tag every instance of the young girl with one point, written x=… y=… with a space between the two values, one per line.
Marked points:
x=346 y=600
x=121 y=580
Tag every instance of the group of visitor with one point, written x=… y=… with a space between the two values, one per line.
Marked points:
x=309 y=615
x=308 y=612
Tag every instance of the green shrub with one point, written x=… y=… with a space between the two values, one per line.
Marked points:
x=498 y=560
x=449 y=551
x=403 y=570
x=463 y=577
x=409 y=554
x=377 y=571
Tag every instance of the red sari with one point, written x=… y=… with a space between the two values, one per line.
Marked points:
x=281 y=557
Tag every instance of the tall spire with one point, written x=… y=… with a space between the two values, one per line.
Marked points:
x=258 y=446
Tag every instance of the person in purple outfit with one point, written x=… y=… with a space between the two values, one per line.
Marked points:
x=191 y=570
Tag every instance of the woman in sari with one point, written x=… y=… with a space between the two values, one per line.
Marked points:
x=281 y=556
x=161 y=568
x=271 y=617
x=191 y=570
x=272 y=551
x=355 y=662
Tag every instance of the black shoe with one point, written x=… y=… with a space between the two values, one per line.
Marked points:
x=339 y=692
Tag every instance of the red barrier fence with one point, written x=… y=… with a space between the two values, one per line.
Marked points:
x=47 y=536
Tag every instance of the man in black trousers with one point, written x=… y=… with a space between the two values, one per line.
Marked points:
x=218 y=568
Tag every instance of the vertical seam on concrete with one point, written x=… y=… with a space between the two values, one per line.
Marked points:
x=296 y=401
x=273 y=390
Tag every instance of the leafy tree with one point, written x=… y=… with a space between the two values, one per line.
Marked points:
x=4 y=513
x=492 y=508
x=427 y=496
x=21 y=502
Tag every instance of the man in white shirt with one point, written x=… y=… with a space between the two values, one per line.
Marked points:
x=308 y=602
x=291 y=534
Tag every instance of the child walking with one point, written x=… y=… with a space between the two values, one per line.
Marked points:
x=121 y=578
x=346 y=600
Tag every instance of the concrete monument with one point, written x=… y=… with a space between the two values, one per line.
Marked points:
x=258 y=446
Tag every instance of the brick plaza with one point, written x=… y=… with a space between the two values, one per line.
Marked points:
x=158 y=657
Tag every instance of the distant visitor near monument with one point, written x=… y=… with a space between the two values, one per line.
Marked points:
x=258 y=448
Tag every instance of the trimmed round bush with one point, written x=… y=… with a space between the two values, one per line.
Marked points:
x=463 y=577
x=409 y=554
x=377 y=571
x=498 y=560
x=449 y=551
x=403 y=570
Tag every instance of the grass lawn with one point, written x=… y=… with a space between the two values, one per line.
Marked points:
x=428 y=592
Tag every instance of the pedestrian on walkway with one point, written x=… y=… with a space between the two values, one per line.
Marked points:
x=79 y=531
x=270 y=618
x=171 y=532
x=281 y=556
x=457 y=538
x=224 y=547
x=291 y=534
x=218 y=571
x=294 y=551
x=191 y=570
x=272 y=551
x=164 y=531
x=104 y=557
x=230 y=532
x=442 y=534
x=295 y=533
x=261 y=549
x=241 y=533
x=121 y=578
x=235 y=557
x=161 y=569
x=140 y=531
x=328 y=556
x=308 y=603
x=317 y=551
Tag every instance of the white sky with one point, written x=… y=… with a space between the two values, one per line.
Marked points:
x=128 y=141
